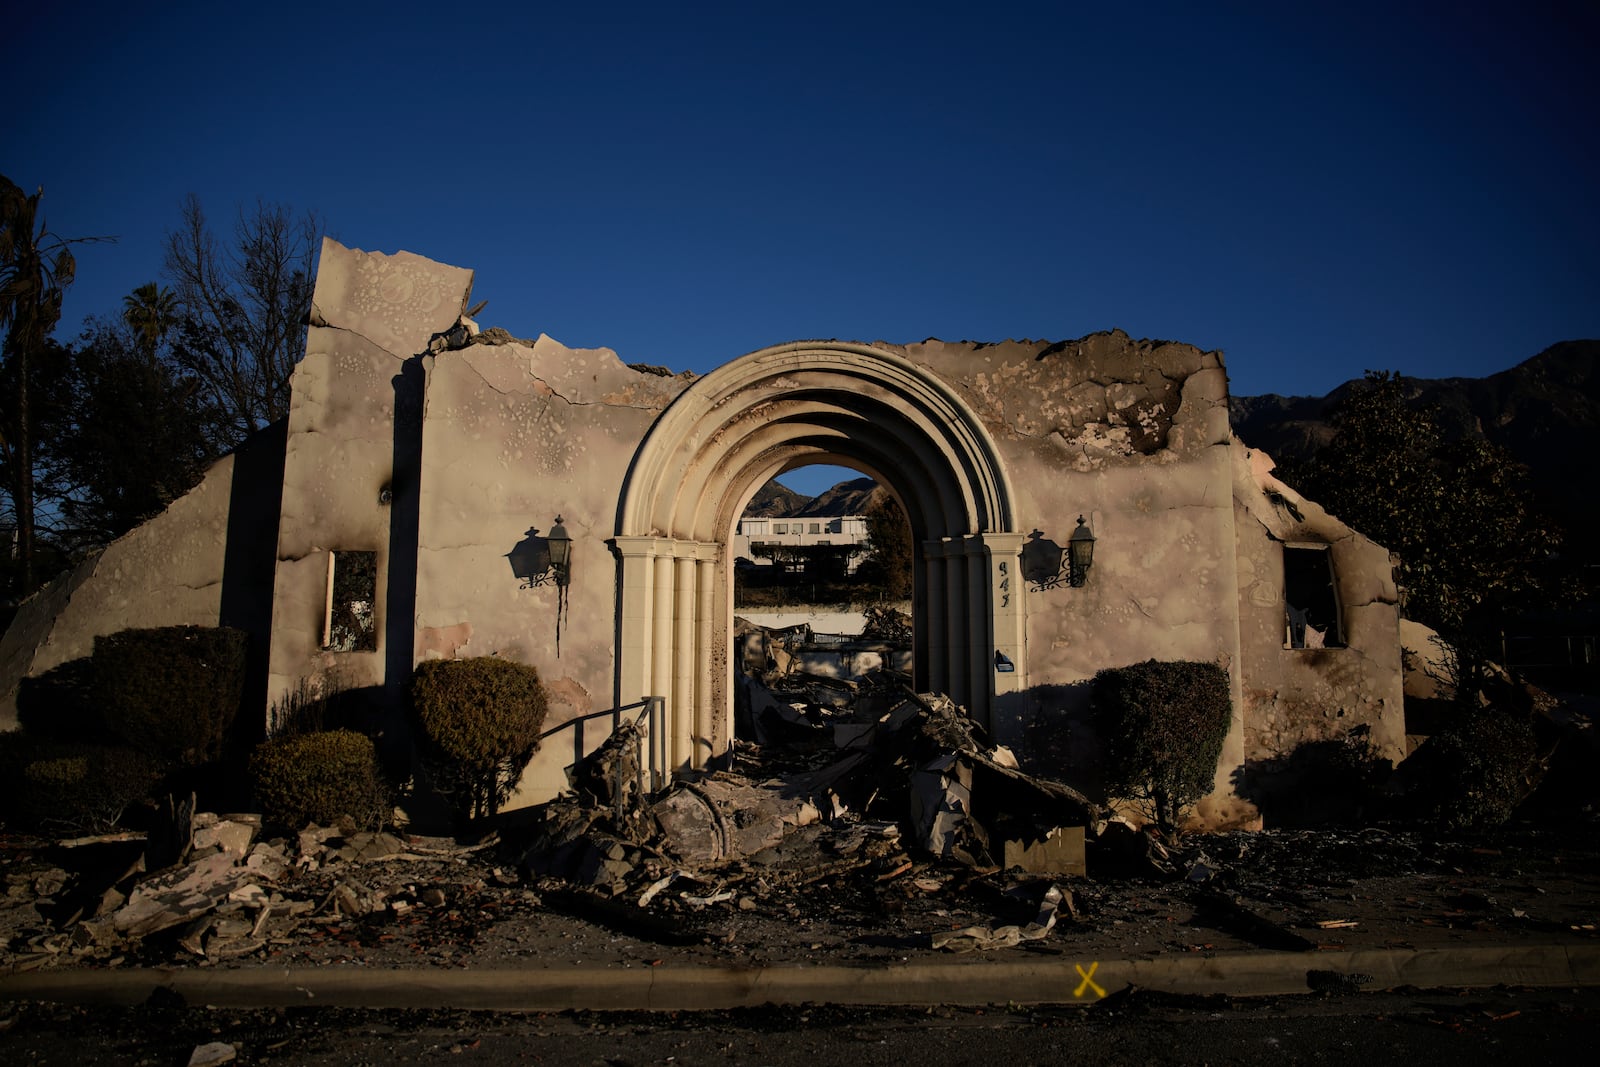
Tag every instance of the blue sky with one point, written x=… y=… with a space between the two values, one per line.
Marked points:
x=1315 y=190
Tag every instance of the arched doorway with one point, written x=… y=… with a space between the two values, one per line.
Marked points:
x=765 y=413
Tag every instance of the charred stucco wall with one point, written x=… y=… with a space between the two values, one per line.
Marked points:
x=515 y=434
x=1293 y=696
x=440 y=452
x=1134 y=436
x=353 y=432
x=167 y=572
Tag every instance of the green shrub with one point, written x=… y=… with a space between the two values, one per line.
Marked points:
x=1162 y=725
x=61 y=703
x=317 y=777
x=71 y=786
x=478 y=723
x=1473 y=773
x=171 y=692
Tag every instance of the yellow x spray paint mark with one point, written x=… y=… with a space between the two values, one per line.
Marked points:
x=1088 y=980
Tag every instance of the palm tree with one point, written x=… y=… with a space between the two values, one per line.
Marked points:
x=151 y=310
x=36 y=266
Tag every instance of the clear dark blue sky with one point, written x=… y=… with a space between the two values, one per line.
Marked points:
x=1314 y=189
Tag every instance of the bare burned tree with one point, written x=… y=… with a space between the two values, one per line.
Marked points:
x=244 y=307
x=36 y=267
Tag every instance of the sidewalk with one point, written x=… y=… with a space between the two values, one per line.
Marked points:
x=669 y=987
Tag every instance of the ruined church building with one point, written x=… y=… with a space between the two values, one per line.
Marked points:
x=392 y=520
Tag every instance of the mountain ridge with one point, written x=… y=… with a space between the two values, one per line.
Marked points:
x=1545 y=412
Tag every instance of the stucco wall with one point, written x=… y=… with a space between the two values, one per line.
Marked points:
x=354 y=428
x=1134 y=436
x=1293 y=696
x=440 y=452
x=513 y=436
x=167 y=572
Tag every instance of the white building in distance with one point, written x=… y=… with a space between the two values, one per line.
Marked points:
x=756 y=536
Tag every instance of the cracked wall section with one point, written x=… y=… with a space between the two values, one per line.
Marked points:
x=1134 y=436
x=345 y=482
x=166 y=572
x=515 y=434
x=1300 y=695
x=1101 y=398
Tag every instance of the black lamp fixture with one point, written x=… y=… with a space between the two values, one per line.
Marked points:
x=560 y=553
x=1080 y=554
x=543 y=560
x=1046 y=565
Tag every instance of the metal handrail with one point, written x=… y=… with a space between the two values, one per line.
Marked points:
x=652 y=737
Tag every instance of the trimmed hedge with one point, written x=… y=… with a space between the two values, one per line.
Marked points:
x=1473 y=773
x=70 y=786
x=1162 y=724
x=318 y=777
x=478 y=723
x=63 y=703
x=171 y=692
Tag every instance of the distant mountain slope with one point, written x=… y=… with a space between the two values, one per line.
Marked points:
x=846 y=498
x=775 y=499
x=853 y=497
x=1544 y=411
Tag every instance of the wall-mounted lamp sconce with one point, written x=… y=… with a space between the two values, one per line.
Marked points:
x=543 y=560
x=560 y=553
x=1046 y=565
x=546 y=560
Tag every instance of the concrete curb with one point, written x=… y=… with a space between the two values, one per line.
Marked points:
x=709 y=987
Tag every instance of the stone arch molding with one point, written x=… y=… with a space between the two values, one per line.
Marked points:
x=771 y=411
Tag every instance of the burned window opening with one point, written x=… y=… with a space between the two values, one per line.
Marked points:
x=350 y=620
x=1310 y=598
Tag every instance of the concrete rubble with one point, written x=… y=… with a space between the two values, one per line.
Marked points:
x=858 y=790
x=231 y=894
x=858 y=794
x=853 y=889
x=887 y=776
x=890 y=787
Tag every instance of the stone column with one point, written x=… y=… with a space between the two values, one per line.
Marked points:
x=957 y=622
x=937 y=638
x=635 y=655
x=1001 y=563
x=661 y=650
x=706 y=653
x=686 y=662
x=980 y=644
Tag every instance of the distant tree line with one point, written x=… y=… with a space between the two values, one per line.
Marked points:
x=1475 y=548
x=100 y=433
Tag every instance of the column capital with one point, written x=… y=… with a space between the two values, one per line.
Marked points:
x=1003 y=543
x=638 y=547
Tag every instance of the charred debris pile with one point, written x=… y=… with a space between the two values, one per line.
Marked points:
x=839 y=773
x=908 y=812
x=845 y=781
x=850 y=804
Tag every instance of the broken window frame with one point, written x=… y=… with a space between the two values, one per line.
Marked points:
x=1313 y=608
x=346 y=627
